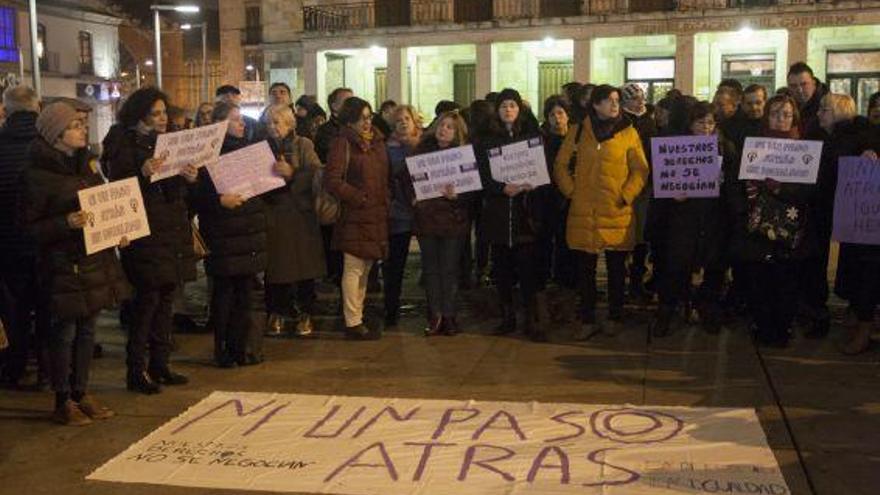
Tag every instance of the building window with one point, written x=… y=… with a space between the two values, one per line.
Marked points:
x=855 y=73
x=8 y=47
x=751 y=69
x=41 y=47
x=655 y=75
x=252 y=29
x=86 y=62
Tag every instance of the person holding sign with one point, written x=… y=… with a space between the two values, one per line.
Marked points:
x=694 y=233
x=441 y=226
x=609 y=173
x=357 y=174
x=772 y=233
x=160 y=264
x=78 y=285
x=296 y=255
x=511 y=216
x=234 y=230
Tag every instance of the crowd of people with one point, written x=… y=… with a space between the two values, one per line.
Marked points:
x=348 y=211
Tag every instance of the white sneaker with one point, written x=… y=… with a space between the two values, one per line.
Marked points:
x=304 y=326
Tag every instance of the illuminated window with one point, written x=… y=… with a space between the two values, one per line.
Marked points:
x=655 y=75
x=8 y=46
x=86 y=62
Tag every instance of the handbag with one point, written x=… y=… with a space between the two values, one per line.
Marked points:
x=328 y=208
x=777 y=221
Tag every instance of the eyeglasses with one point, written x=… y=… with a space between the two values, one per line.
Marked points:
x=782 y=115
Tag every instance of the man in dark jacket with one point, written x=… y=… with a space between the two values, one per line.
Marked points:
x=808 y=91
x=331 y=128
x=17 y=249
x=746 y=121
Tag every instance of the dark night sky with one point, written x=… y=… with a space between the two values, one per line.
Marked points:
x=140 y=11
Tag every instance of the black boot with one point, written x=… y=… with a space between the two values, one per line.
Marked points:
x=164 y=376
x=508 y=320
x=540 y=318
x=662 y=323
x=435 y=326
x=141 y=382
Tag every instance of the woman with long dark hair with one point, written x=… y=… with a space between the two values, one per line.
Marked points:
x=558 y=260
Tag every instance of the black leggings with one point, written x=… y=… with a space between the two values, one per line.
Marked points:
x=615 y=261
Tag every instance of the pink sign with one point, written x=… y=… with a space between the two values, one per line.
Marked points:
x=686 y=167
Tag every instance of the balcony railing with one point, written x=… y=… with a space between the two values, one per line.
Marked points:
x=364 y=15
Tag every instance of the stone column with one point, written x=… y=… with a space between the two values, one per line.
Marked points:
x=797 y=46
x=397 y=76
x=684 y=63
x=310 y=71
x=484 y=69
x=582 y=59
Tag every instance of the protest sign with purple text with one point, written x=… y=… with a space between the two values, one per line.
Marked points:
x=431 y=173
x=247 y=172
x=522 y=162
x=857 y=201
x=783 y=160
x=371 y=445
x=686 y=167
x=113 y=210
x=199 y=146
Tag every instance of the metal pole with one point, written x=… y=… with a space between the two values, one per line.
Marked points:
x=205 y=61
x=35 y=57
x=158 y=29
x=137 y=74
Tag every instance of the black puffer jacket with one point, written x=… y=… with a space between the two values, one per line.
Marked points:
x=236 y=238
x=15 y=140
x=166 y=257
x=77 y=285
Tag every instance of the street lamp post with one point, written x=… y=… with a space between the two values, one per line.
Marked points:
x=204 y=27
x=35 y=57
x=158 y=31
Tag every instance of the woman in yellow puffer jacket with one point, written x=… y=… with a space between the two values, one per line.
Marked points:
x=601 y=168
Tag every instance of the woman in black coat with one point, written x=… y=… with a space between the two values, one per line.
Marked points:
x=234 y=229
x=78 y=286
x=772 y=233
x=557 y=260
x=511 y=216
x=694 y=232
x=157 y=265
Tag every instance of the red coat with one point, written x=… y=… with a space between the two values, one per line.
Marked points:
x=357 y=173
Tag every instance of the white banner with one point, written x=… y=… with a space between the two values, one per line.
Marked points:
x=199 y=146
x=114 y=210
x=248 y=172
x=431 y=173
x=784 y=160
x=369 y=445
x=522 y=162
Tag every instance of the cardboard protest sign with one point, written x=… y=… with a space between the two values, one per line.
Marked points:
x=784 y=160
x=248 y=172
x=522 y=162
x=369 y=445
x=199 y=146
x=686 y=167
x=432 y=172
x=857 y=201
x=115 y=210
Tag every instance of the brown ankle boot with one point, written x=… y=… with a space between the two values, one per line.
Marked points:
x=94 y=409
x=859 y=339
x=69 y=414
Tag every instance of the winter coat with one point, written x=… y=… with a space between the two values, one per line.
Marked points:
x=324 y=137
x=401 y=205
x=505 y=220
x=440 y=217
x=295 y=246
x=361 y=184
x=15 y=140
x=165 y=257
x=810 y=111
x=77 y=285
x=236 y=239
x=738 y=127
x=608 y=177
x=646 y=126
x=754 y=246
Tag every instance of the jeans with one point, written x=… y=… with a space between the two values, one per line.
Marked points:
x=615 y=261
x=440 y=265
x=392 y=272
x=71 y=345
x=151 y=329
x=355 y=273
x=510 y=264
x=231 y=317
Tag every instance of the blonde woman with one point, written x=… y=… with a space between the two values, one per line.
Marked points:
x=406 y=131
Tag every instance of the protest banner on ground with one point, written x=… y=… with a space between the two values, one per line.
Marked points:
x=114 y=210
x=247 y=172
x=369 y=445
x=199 y=146
x=686 y=167
x=432 y=172
x=857 y=201
x=522 y=162
x=784 y=160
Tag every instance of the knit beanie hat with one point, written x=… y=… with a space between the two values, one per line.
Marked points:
x=631 y=91
x=509 y=94
x=54 y=119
